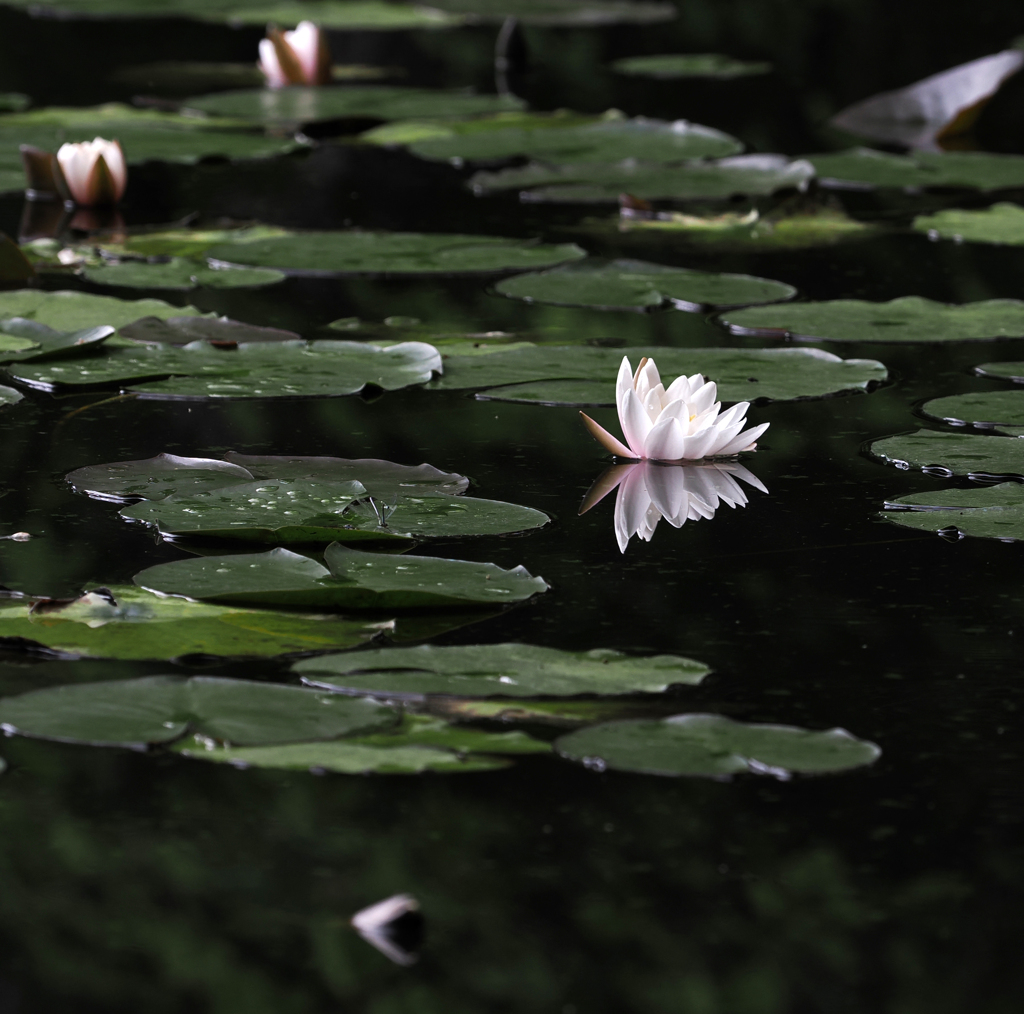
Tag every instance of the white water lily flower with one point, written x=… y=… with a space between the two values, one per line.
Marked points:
x=648 y=492
x=682 y=423
x=299 y=57
x=95 y=171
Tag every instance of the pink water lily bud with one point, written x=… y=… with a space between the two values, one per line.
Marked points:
x=95 y=171
x=300 y=57
x=681 y=423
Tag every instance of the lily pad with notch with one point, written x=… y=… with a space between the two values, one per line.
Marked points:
x=640 y=285
x=907 y=319
x=354 y=580
x=179 y=273
x=988 y=512
x=125 y=622
x=673 y=66
x=713 y=746
x=1002 y=223
x=949 y=454
x=507 y=670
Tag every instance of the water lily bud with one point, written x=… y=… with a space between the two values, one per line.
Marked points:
x=299 y=57
x=95 y=171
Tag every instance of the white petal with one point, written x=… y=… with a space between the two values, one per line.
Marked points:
x=624 y=381
x=635 y=422
x=666 y=441
x=703 y=398
x=744 y=441
x=305 y=42
x=270 y=66
x=667 y=487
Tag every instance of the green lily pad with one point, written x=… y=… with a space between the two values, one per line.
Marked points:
x=670 y=66
x=629 y=285
x=392 y=253
x=429 y=730
x=126 y=622
x=741 y=374
x=28 y=340
x=508 y=670
x=183 y=330
x=566 y=712
x=74 y=311
x=170 y=474
x=988 y=512
x=866 y=168
x=162 y=709
x=715 y=747
x=9 y=396
x=256 y=370
x=988 y=409
x=355 y=580
x=606 y=139
x=190 y=242
x=907 y=319
x=949 y=454
x=1002 y=223
x=600 y=181
x=179 y=273
x=561 y=13
x=312 y=510
x=1002 y=371
x=298 y=104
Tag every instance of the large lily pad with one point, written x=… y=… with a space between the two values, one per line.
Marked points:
x=169 y=474
x=987 y=409
x=73 y=311
x=393 y=253
x=629 y=285
x=256 y=370
x=313 y=510
x=606 y=140
x=907 y=319
x=161 y=709
x=670 y=66
x=741 y=374
x=507 y=670
x=715 y=747
x=379 y=102
x=865 y=169
x=126 y=622
x=179 y=273
x=355 y=580
x=950 y=454
x=988 y=512
x=600 y=181
x=1002 y=223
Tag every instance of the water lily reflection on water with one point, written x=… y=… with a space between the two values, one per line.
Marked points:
x=648 y=491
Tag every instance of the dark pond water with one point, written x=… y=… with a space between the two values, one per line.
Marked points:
x=150 y=883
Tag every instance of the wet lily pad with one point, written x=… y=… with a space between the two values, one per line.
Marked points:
x=179 y=273
x=313 y=510
x=670 y=66
x=256 y=370
x=392 y=253
x=741 y=374
x=627 y=284
x=988 y=512
x=355 y=580
x=1002 y=371
x=988 y=409
x=297 y=104
x=28 y=340
x=604 y=140
x=126 y=622
x=162 y=709
x=74 y=311
x=507 y=670
x=1002 y=223
x=600 y=181
x=950 y=454
x=183 y=330
x=908 y=319
x=715 y=747
x=865 y=169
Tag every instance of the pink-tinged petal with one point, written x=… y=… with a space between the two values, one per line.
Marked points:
x=648 y=379
x=113 y=155
x=652 y=402
x=666 y=441
x=605 y=439
x=310 y=47
x=269 y=65
x=635 y=422
x=604 y=484
x=745 y=441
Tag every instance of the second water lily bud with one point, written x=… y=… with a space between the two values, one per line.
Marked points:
x=301 y=57
x=94 y=171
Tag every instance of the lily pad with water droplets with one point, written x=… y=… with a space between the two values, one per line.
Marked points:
x=866 y=169
x=162 y=709
x=126 y=622
x=69 y=311
x=715 y=747
x=907 y=319
x=741 y=374
x=355 y=580
x=636 y=285
x=987 y=409
x=1002 y=223
x=949 y=454
x=671 y=66
x=507 y=670
x=179 y=273
x=989 y=512
x=600 y=181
